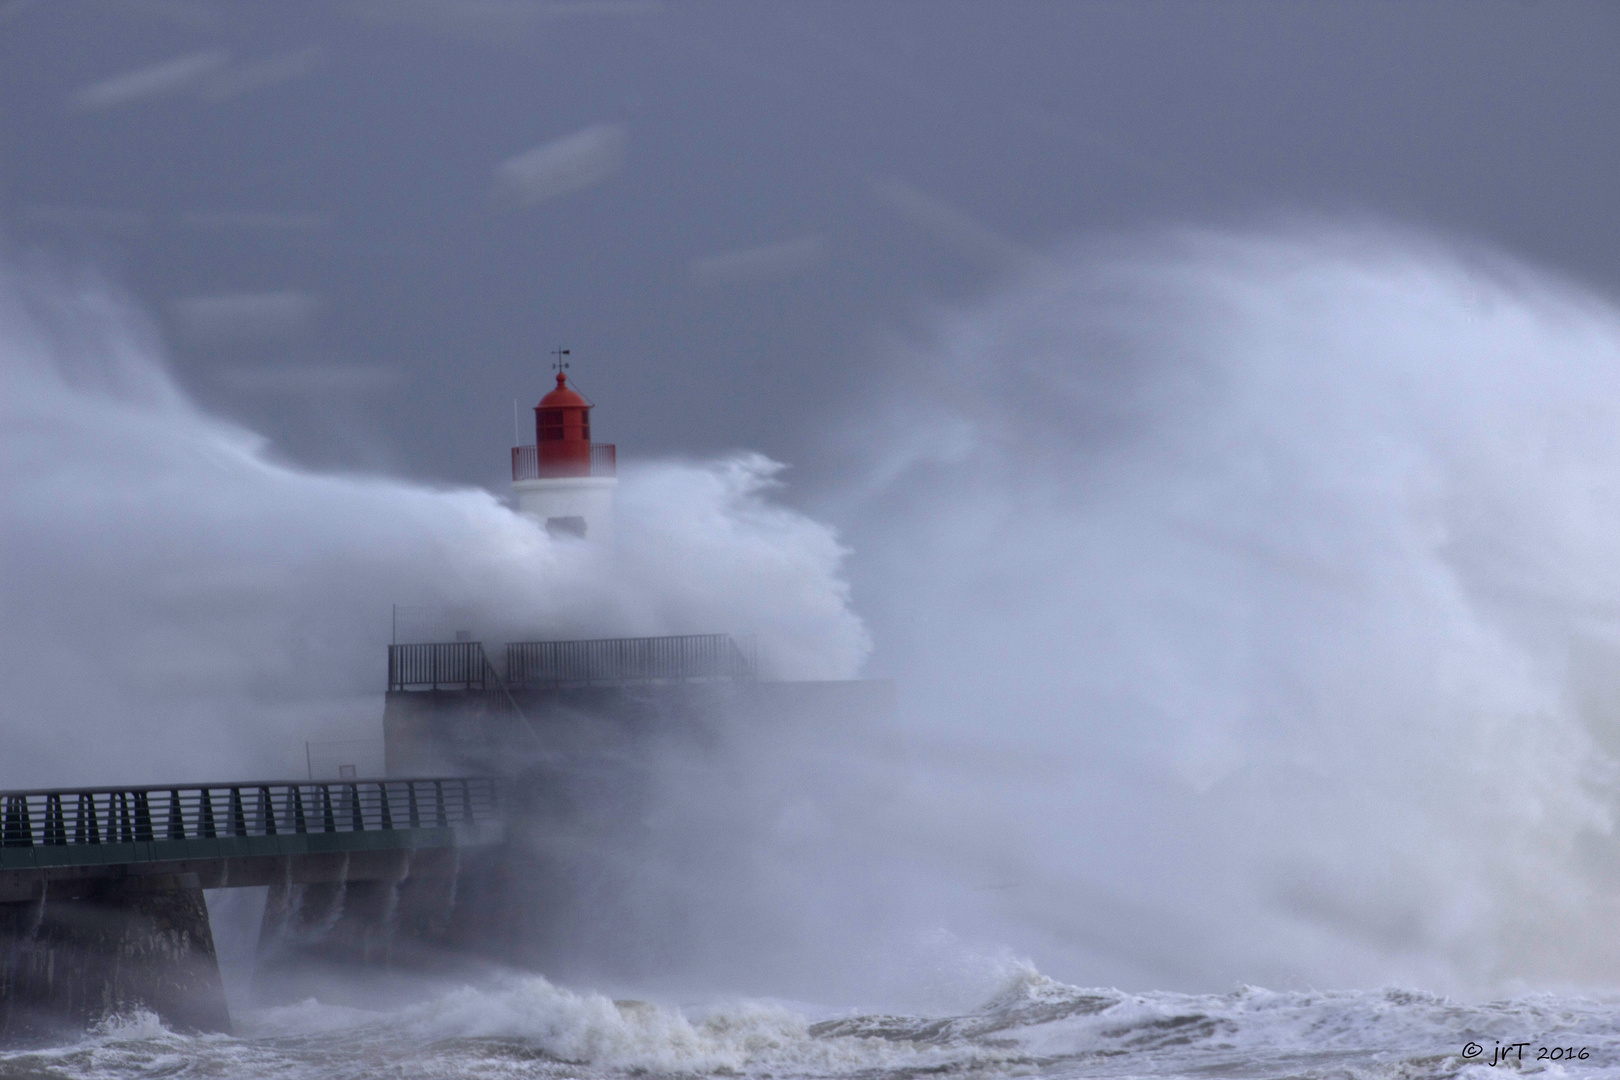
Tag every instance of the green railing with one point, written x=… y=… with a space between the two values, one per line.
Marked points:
x=86 y=817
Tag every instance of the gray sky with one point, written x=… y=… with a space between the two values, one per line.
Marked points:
x=329 y=205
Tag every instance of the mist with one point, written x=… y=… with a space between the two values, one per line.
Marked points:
x=1252 y=593
x=1249 y=594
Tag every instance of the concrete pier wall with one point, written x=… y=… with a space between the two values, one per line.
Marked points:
x=358 y=942
x=136 y=943
x=623 y=801
x=101 y=940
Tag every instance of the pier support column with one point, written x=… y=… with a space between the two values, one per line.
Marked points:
x=133 y=943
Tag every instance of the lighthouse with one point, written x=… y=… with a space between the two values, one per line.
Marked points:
x=565 y=481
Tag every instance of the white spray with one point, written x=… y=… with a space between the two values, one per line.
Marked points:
x=1252 y=599
x=178 y=605
x=1256 y=600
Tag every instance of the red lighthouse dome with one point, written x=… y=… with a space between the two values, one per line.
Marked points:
x=562 y=428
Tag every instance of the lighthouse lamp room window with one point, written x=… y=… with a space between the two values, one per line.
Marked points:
x=565 y=481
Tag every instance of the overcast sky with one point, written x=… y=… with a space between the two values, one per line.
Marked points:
x=362 y=225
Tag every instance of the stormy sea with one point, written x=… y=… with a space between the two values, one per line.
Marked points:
x=522 y=1025
x=1251 y=602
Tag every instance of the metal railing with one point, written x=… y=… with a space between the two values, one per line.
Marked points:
x=618 y=660
x=452 y=665
x=442 y=665
x=137 y=815
x=526 y=463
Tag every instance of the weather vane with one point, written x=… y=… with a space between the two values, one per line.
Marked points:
x=559 y=365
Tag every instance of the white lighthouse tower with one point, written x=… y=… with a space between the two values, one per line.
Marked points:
x=565 y=481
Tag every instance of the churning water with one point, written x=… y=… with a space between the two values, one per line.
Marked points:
x=524 y=1026
x=1255 y=604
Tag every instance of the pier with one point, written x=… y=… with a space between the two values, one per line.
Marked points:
x=101 y=905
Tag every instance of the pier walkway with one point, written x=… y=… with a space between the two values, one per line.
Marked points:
x=68 y=842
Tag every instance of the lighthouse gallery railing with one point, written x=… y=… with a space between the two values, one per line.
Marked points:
x=526 y=463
